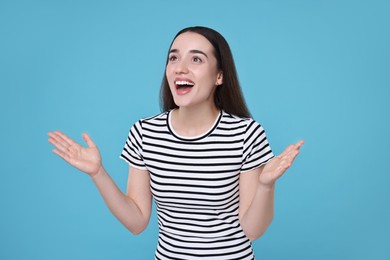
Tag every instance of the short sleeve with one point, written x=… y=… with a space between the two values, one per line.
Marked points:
x=256 y=150
x=132 y=150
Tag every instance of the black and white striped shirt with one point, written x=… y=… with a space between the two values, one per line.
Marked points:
x=195 y=183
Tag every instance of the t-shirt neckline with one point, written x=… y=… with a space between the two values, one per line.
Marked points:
x=192 y=138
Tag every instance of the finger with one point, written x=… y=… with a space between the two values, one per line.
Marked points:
x=282 y=168
x=60 y=144
x=286 y=151
x=291 y=149
x=299 y=144
x=58 y=140
x=62 y=155
x=293 y=155
x=88 y=140
x=65 y=138
x=286 y=163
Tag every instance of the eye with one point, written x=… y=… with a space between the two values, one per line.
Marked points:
x=196 y=59
x=172 y=58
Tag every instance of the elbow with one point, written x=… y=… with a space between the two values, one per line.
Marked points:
x=255 y=233
x=136 y=230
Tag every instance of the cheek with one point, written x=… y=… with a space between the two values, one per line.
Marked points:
x=168 y=75
x=169 y=70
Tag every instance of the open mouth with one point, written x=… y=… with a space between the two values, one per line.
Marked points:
x=181 y=84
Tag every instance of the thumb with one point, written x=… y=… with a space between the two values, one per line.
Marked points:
x=88 y=140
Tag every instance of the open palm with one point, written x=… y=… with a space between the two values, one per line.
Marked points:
x=279 y=164
x=86 y=159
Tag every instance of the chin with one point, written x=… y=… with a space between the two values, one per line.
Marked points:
x=181 y=102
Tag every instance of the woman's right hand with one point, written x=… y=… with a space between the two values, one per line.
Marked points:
x=86 y=159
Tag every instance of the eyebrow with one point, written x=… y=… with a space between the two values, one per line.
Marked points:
x=191 y=51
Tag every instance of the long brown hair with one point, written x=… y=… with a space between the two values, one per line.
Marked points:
x=228 y=96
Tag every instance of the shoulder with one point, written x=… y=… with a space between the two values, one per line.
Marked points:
x=155 y=119
x=158 y=117
x=237 y=121
x=152 y=125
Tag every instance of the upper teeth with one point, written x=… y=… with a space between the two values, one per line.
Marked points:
x=183 y=82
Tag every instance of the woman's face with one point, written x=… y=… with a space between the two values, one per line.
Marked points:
x=192 y=71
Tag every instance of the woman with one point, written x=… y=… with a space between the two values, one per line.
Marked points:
x=203 y=160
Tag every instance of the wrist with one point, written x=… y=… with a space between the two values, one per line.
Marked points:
x=266 y=186
x=98 y=173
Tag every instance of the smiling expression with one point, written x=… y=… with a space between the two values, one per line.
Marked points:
x=192 y=71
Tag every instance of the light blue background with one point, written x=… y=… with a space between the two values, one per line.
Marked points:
x=316 y=70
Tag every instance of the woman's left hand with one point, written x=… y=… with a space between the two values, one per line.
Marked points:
x=279 y=164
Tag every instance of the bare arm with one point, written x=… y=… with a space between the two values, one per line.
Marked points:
x=257 y=192
x=132 y=209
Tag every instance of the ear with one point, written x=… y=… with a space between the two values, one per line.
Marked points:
x=219 y=79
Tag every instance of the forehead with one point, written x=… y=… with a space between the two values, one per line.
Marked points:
x=192 y=41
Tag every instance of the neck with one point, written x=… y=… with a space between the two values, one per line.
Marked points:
x=193 y=122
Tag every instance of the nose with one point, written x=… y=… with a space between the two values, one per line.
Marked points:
x=181 y=67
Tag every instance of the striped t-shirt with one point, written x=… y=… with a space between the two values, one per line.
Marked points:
x=195 y=183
